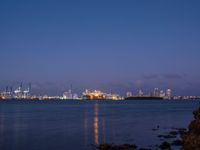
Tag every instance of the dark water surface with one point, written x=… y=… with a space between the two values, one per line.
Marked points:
x=63 y=125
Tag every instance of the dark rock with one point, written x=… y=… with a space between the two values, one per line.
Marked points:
x=177 y=143
x=104 y=146
x=157 y=128
x=196 y=114
x=194 y=127
x=117 y=147
x=167 y=136
x=191 y=139
x=154 y=129
x=165 y=146
x=180 y=129
x=173 y=133
x=182 y=133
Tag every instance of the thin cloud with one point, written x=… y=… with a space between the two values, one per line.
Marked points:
x=165 y=76
x=173 y=76
x=151 y=76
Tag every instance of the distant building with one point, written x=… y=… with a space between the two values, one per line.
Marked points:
x=168 y=93
x=112 y=96
x=75 y=96
x=140 y=93
x=98 y=95
x=93 y=95
x=19 y=93
x=162 y=94
x=129 y=94
x=68 y=95
x=26 y=93
x=156 y=92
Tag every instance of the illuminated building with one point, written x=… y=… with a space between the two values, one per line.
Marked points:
x=140 y=93
x=156 y=92
x=19 y=93
x=168 y=93
x=162 y=93
x=112 y=96
x=68 y=95
x=26 y=93
x=129 y=94
x=96 y=94
x=93 y=94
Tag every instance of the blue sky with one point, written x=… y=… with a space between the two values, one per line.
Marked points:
x=110 y=45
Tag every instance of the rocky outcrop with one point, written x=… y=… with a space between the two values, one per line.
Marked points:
x=191 y=140
x=165 y=146
x=117 y=147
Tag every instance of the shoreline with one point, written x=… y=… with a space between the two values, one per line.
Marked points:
x=135 y=99
x=182 y=138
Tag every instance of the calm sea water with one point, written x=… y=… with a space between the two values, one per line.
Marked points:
x=63 y=125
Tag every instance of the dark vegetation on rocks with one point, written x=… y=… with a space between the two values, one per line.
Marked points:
x=191 y=140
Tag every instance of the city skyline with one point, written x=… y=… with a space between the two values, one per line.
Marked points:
x=106 y=45
x=26 y=92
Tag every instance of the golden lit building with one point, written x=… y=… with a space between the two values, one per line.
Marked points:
x=98 y=95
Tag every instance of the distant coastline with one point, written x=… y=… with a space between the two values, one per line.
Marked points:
x=143 y=98
x=134 y=98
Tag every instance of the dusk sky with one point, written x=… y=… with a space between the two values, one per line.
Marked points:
x=111 y=45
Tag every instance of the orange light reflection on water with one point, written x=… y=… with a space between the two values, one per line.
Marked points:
x=96 y=124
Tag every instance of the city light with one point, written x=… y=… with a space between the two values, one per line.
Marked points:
x=26 y=94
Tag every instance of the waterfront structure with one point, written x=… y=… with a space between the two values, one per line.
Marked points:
x=99 y=95
x=25 y=93
x=18 y=93
x=68 y=95
x=129 y=94
x=143 y=98
x=162 y=94
x=168 y=94
x=140 y=93
x=186 y=97
x=96 y=94
x=7 y=94
x=111 y=96
x=156 y=92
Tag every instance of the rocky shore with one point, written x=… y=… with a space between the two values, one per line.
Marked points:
x=185 y=139
x=191 y=140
